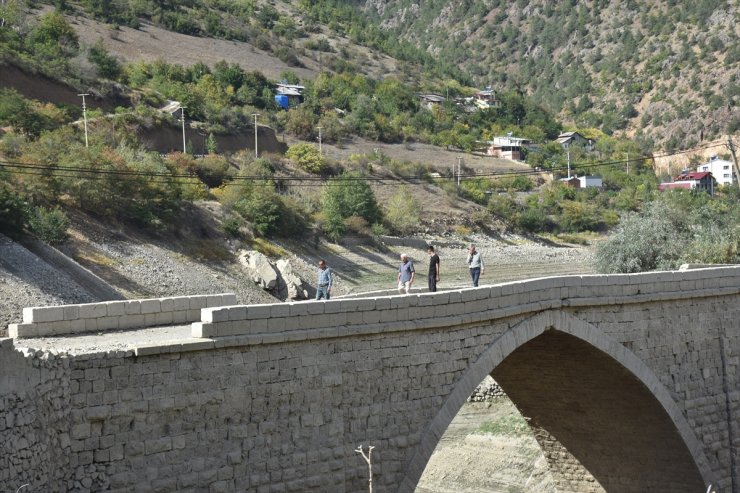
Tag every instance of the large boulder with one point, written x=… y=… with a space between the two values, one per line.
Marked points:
x=293 y=284
x=260 y=268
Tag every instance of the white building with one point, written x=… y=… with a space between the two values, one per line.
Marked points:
x=721 y=170
x=590 y=181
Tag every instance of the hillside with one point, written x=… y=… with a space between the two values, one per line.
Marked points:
x=663 y=71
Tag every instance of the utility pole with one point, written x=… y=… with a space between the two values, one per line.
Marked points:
x=569 y=164
x=256 y=153
x=731 y=147
x=319 y=140
x=84 y=115
x=459 y=169
x=182 y=118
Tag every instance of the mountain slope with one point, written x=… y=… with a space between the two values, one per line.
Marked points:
x=666 y=69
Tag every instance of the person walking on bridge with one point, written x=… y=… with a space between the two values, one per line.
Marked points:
x=406 y=274
x=323 y=284
x=433 y=269
x=475 y=264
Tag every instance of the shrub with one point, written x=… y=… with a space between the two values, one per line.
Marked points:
x=49 y=225
x=307 y=156
x=350 y=195
x=213 y=170
x=13 y=210
x=403 y=212
x=231 y=226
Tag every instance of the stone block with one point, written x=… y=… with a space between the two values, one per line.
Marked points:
x=214 y=300
x=71 y=312
x=180 y=317
x=237 y=313
x=108 y=323
x=258 y=311
x=198 y=302
x=299 y=308
x=214 y=315
x=115 y=308
x=46 y=314
x=93 y=310
x=180 y=303
x=150 y=306
x=167 y=304
x=130 y=321
x=23 y=330
x=132 y=307
x=164 y=318
x=203 y=329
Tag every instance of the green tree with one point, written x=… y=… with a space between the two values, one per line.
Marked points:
x=349 y=195
x=403 y=212
x=107 y=65
x=307 y=156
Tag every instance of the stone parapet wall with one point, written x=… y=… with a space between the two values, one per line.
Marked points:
x=464 y=305
x=111 y=315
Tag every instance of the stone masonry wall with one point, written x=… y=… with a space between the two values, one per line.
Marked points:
x=34 y=419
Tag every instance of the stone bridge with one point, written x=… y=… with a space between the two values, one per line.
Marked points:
x=631 y=383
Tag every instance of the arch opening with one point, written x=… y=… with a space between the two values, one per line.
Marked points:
x=601 y=417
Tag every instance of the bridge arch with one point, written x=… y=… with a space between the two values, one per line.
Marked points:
x=554 y=330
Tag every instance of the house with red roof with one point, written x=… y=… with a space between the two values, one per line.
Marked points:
x=691 y=181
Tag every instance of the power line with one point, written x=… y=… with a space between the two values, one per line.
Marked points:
x=38 y=169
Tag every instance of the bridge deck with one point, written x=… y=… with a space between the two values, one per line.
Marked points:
x=120 y=340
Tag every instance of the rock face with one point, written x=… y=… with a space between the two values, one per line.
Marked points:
x=278 y=278
x=292 y=284
x=261 y=269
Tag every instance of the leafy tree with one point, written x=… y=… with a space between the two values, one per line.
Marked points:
x=307 y=156
x=349 y=195
x=403 y=212
x=13 y=209
x=49 y=225
x=106 y=64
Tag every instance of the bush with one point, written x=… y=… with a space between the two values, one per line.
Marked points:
x=213 y=170
x=307 y=156
x=49 y=225
x=403 y=212
x=13 y=211
x=677 y=227
x=348 y=196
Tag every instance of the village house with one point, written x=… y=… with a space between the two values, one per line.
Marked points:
x=721 y=170
x=572 y=182
x=429 y=101
x=590 y=181
x=508 y=147
x=486 y=98
x=570 y=139
x=288 y=95
x=691 y=181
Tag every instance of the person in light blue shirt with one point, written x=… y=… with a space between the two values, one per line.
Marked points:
x=323 y=284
